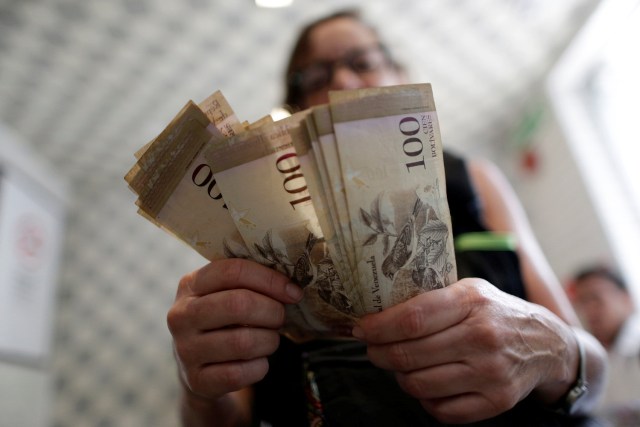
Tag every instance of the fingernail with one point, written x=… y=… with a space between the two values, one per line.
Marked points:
x=187 y=280
x=294 y=291
x=357 y=332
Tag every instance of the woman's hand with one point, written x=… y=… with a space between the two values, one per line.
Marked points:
x=225 y=322
x=469 y=351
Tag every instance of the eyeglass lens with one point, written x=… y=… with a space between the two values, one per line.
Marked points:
x=319 y=75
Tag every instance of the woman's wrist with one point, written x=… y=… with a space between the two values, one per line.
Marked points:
x=561 y=370
x=578 y=388
x=567 y=389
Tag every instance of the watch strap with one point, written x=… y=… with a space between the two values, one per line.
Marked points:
x=579 y=387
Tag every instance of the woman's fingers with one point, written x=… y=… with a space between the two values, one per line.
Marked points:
x=231 y=344
x=235 y=307
x=215 y=380
x=239 y=273
x=423 y=315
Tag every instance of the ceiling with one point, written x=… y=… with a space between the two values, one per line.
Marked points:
x=88 y=82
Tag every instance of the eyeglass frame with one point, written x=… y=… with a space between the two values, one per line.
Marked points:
x=295 y=78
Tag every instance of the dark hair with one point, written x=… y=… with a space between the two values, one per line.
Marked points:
x=603 y=272
x=294 y=95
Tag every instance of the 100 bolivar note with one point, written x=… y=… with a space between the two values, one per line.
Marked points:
x=392 y=168
x=377 y=232
x=259 y=174
x=176 y=188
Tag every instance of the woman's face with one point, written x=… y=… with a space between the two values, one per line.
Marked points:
x=345 y=54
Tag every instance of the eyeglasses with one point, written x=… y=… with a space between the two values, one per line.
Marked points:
x=318 y=75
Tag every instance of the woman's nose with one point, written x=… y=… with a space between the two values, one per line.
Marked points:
x=345 y=78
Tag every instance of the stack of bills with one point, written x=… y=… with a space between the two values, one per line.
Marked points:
x=348 y=199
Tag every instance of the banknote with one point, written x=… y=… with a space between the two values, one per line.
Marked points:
x=186 y=131
x=390 y=155
x=267 y=195
x=348 y=199
x=218 y=111
x=326 y=152
x=177 y=190
x=303 y=137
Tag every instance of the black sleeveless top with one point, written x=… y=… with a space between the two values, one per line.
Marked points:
x=352 y=391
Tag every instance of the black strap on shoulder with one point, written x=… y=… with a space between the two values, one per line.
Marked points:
x=463 y=201
x=499 y=267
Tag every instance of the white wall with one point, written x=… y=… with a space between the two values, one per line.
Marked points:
x=556 y=201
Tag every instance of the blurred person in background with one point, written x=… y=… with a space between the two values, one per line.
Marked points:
x=500 y=347
x=603 y=302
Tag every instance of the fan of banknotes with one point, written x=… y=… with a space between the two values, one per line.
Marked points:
x=348 y=199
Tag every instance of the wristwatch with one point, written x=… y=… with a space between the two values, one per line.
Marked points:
x=579 y=387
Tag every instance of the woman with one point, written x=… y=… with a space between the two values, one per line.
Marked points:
x=470 y=352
